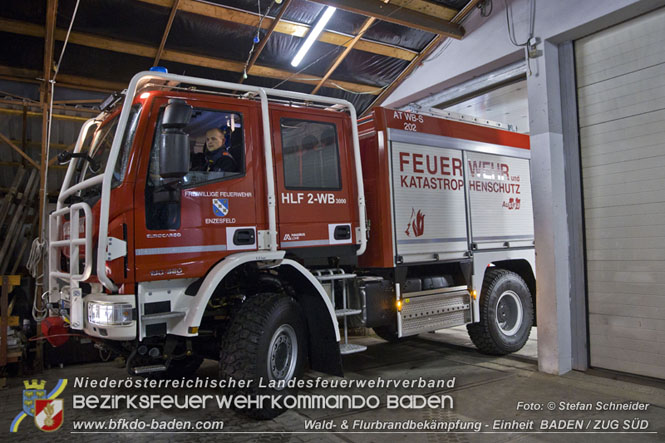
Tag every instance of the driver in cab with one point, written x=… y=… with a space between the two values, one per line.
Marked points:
x=215 y=156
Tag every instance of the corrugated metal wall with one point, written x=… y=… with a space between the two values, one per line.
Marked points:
x=621 y=99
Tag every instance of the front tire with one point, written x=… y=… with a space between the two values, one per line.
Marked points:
x=265 y=340
x=506 y=314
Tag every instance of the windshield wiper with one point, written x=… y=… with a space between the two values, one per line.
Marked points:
x=66 y=156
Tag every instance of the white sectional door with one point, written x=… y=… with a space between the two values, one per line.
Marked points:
x=621 y=99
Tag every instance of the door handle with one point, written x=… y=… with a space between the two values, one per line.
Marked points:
x=342 y=232
x=243 y=237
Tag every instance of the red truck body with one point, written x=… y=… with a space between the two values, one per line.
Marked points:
x=376 y=167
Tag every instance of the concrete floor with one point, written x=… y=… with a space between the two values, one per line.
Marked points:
x=458 y=336
x=486 y=389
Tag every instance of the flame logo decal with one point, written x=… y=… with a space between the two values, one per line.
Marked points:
x=416 y=225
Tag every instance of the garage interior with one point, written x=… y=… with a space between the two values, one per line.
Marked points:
x=584 y=80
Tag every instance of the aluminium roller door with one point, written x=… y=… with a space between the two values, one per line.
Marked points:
x=621 y=100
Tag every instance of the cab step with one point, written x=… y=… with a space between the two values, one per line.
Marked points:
x=161 y=316
x=349 y=348
x=347 y=312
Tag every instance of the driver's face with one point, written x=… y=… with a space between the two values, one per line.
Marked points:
x=214 y=139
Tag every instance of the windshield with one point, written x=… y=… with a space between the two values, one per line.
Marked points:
x=101 y=147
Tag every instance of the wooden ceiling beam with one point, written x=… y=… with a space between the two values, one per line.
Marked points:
x=60 y=105
x=167 y=30
x=19 y=151
x=64 y=80
x=427 y=8
x=284 y=27
x=436 y=41
x=78 y=101
x=365 y=26
x=124 y=47
x=38 y=114
x=397 y=14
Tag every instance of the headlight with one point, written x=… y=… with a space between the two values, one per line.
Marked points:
x=109 y=314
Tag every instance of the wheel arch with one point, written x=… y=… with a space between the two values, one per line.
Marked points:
x=323 y=330
x=322 y=327
x=521 y=261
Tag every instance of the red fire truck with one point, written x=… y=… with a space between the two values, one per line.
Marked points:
x=203 y=219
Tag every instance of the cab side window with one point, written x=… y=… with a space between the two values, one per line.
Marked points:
x=217 y=152
x=217 y=148
x=310 y=155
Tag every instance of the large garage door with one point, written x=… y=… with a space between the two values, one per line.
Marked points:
x=621 y=98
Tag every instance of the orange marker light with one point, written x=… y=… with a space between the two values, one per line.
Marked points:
x=474 y=294
x=399 y=305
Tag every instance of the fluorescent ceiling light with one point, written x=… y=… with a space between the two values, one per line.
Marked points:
x=313 y=35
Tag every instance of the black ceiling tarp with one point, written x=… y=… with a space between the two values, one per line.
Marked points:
x=281 y=49
x=198 y=71
x=33 y=11
x=373 y=69
x=101 y=64
x=299 y=11
x=83 y=61
x=398 y=35
x=250 y=5
x=346 y=22
x=22 y=51
x=302 y=11
x=128 y=20
x=208 y=36
x=455 y=4
x=360 y=101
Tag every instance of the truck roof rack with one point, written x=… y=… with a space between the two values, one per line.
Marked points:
x=456 y=116
x=249 y=95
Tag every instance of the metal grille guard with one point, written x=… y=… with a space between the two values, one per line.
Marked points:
x=74 y=242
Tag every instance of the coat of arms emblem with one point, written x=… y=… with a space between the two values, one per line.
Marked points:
x=220 y=206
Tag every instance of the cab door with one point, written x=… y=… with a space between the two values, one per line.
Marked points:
x=188 y=225
x=315 y=183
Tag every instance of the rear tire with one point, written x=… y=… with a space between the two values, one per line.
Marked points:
x=506 y=314
x=388 y=333
x=266 y=339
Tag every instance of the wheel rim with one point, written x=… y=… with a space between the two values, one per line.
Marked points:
x=509 y=313
x=283 y=353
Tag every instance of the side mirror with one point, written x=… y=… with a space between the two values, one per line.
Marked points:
x=177 y=114
x=173 y=141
